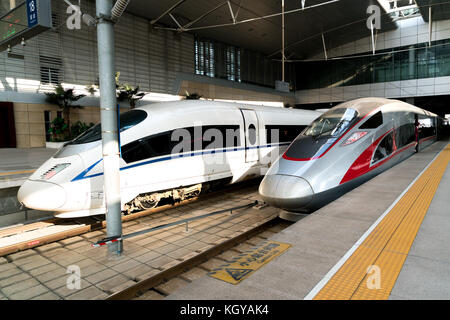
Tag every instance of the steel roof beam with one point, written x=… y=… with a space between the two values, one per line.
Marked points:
x=187 y=25
x=231 y=12
x=175 y=20
x=168 y=11
x=265 y=17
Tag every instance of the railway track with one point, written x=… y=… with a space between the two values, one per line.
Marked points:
x=163 y=247
x=172 y=279
x=36 y=234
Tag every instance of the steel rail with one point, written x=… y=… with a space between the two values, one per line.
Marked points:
x=87 y=224
x=149 y=283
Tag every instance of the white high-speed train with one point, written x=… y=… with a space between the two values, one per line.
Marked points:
x=169 y=150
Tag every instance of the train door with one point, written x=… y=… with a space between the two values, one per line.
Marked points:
x=251 y=133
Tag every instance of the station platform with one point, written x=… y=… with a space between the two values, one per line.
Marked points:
x=16 y=165
x=386 y=239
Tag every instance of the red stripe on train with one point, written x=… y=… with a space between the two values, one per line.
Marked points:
x=362 y=164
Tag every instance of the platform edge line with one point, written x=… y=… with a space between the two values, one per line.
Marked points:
x=319 y=286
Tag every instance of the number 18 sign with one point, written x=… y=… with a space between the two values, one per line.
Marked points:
x=32 y=13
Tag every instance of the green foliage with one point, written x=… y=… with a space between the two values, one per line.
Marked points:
x=79 y=127
x=58 y=129
x=63 y=98
x=92 y=89
x=126 y=92
x=192 y=96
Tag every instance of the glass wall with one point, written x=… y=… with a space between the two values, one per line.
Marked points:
x=395 y=64
x=219 y=60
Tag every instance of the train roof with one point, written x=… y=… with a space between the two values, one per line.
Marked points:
x=206 y=104
x=367 y=105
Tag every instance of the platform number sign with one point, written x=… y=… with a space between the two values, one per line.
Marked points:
x=32 y=13
x=25 y=21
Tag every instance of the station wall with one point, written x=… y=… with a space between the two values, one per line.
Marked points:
x=411 y=32
x=152 y=59
x=30 y=122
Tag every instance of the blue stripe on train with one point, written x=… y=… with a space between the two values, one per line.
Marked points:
x=83 y=174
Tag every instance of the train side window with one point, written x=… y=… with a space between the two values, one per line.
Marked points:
x=282 y=133
x=405 y=135
x=252 y=134
x=232 y=136
x=427 y=126
x=385 y=148
x=136 y=151
x=148 y=147
x=161 y=144
x=373 y=122
x=228 y=135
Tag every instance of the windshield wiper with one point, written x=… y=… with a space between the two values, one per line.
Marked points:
x=321 y=134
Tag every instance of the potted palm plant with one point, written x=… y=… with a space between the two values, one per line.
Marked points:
x=126 y=92
x=64 y=98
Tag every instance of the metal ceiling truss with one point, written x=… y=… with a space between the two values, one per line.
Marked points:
x=234 y=16
x=168 y=11
x=401 y=9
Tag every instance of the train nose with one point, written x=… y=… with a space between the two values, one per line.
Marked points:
x=41 y=195
x=287 y=192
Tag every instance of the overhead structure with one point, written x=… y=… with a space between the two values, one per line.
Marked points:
x=257 y=24
x=440 y=8
x=24 y=21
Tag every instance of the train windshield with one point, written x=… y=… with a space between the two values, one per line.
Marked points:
x=331 y=123
x=127 y=120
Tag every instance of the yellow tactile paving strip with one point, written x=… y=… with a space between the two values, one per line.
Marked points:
x=387 y=246
x=16 y=172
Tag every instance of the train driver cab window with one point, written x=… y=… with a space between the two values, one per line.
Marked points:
x=373 y=122
x=332 y=123
x=127 y=120
x=385 y=148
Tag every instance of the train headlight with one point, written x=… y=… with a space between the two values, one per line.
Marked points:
x=354 y=137
x=54 y=170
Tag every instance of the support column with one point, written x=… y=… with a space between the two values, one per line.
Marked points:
x=282 y=40
x=430 y=26
x=108 y=115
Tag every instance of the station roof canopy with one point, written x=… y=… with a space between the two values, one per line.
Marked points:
x=440 y=9
x=340 y=21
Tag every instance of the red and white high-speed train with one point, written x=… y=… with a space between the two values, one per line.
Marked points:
x=219 y=141
x=346 y=146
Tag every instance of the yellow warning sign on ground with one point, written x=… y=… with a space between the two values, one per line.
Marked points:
x=246 y=263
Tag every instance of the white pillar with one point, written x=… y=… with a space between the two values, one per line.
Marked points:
x=108 y=115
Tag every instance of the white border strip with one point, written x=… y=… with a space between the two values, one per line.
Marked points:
x=339 y=264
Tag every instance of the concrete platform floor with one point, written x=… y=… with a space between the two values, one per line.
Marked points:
x=18 y=164
x=321 y=239
x=426 y=272
x=42 y=272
